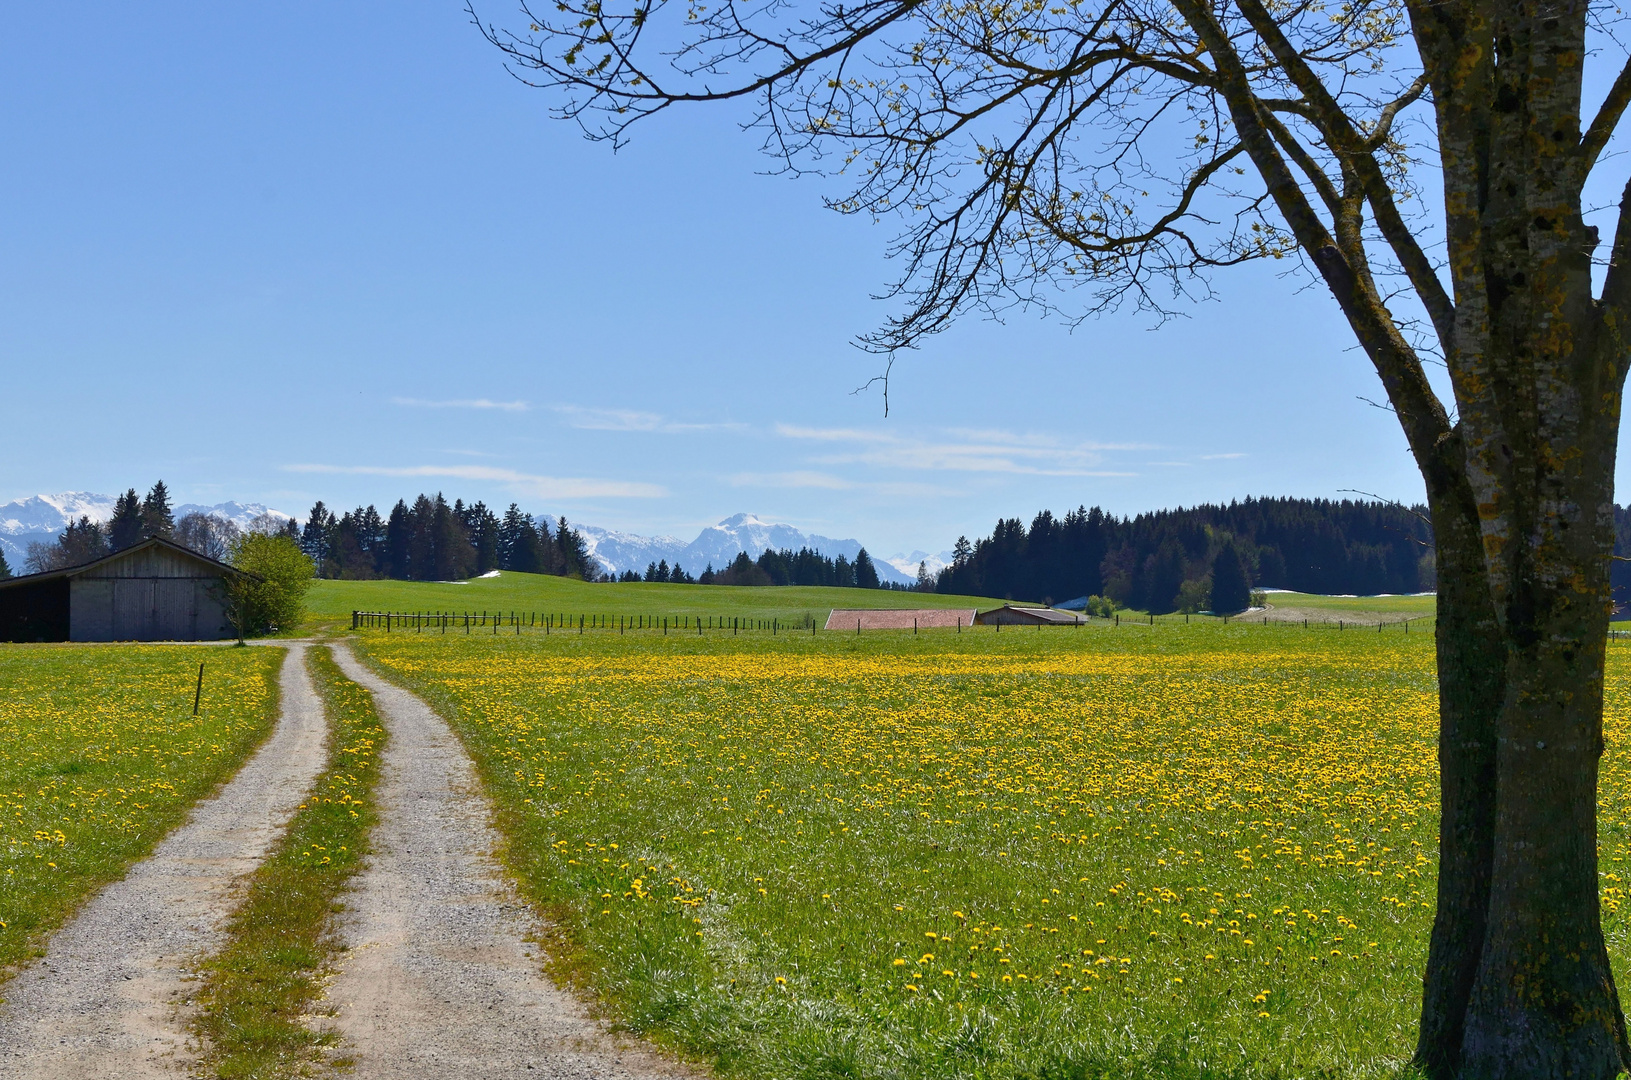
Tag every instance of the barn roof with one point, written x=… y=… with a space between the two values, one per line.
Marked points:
x=124 y=553
x=1039 y=614
x=900 y=618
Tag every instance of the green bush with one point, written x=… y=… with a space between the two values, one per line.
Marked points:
x=1195 y=595
x=1102 y=606
x=272 y=594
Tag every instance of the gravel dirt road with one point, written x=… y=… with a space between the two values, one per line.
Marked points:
x=109 y=998
x=440 y=977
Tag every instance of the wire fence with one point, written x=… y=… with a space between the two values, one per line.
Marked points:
x=521 y=622
x=496 y=622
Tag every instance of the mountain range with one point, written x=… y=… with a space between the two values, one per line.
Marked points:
x=43 y=517
x=716 y=546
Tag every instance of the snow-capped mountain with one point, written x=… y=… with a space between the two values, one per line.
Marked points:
x=716 y=545
x=619 y=551
x=40 y=513
x=41 y=518
x=240 y=514
x=907 y=564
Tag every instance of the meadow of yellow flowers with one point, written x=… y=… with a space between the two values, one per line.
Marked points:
x=1173 y=850
x=100 y=756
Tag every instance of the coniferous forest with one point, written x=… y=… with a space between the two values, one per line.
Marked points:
x=1167 y=560
x=432 y=541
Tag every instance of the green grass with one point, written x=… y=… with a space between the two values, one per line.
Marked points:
x=263 y=982
x=1195 y=850
x=330 y=601
x=100 y=757
x=1404 y=606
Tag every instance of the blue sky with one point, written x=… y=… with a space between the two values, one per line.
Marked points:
x=297 y=251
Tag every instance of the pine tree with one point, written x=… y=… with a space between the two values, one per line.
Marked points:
x=575 y=560
x=5 y=568
x=1163 y=577
x=125 y=526
x=314 y=538
x=866 y=575
x=157 y=517
x=83 y=541
x=399 y=542
x=1231 y=591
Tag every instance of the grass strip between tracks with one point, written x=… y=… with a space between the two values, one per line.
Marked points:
x=260 y=987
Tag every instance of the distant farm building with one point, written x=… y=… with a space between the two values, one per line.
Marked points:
x=1009 y=615
x=900 y=618
x=156 y=590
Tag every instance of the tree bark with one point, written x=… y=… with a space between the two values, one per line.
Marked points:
x=1472 y=675
x=1544 y=1002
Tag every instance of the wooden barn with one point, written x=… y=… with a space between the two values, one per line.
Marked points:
x=156 y=590
x=1010 y=615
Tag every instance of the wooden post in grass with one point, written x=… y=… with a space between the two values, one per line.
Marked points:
x=199 y=692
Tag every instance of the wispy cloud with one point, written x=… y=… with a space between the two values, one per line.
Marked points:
x=974 y=451
x=592 y=419
x=1221 y=457
x=804 y=478
x=796 y=479
x=543 y=487
x=462 y=403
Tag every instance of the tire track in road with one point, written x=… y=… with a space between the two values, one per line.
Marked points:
x=108 y=999
x=439 y=978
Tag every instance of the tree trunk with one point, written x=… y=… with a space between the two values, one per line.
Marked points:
x=1471 y=677
x=1544 y=1001
x=1518 y=981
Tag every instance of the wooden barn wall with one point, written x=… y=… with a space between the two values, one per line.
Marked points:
x=153 y=562
x=126 y=607
x=36 y=612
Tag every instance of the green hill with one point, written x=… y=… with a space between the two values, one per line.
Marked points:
x=330 y=601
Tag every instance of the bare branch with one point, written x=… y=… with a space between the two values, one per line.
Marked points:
x=1607 y=119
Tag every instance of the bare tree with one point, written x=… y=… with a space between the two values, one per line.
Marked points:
x=1133 y=147
x=81 y=542
x=207 y=534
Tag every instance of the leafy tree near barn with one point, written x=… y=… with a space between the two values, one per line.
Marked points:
x=272 y=592
x=1135 y=147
